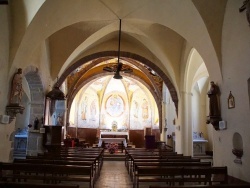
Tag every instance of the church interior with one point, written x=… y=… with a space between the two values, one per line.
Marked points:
x=143 y=74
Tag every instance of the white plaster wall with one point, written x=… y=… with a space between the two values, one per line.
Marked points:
x=4 y=57
x=5 y=129
x=195 y=110
x=22 y=120
x=6 y=144
x=236 y=69
x=170 y=117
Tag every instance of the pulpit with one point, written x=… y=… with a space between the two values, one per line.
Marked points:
x=150 y=142
x=52 y=137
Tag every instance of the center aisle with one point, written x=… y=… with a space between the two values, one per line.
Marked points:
x=114 y=175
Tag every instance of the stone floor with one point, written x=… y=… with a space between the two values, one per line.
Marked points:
x=114 y=175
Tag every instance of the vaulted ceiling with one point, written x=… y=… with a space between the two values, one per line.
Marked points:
x=155 y=36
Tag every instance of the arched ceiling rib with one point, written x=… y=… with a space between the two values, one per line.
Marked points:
x=183 y=17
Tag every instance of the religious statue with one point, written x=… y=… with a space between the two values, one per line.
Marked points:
x=214 y=110
x=16 y=88
x=114 y=126
x=36 y=123
x=213 y=100
x=246 y=6
x=59 y=120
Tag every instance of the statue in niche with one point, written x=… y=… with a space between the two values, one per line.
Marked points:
x=59 y=120
x=16 y=88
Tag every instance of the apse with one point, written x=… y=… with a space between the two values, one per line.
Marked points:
x=106 y=101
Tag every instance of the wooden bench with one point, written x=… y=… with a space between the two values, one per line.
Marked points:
x=179 y=175
x=153 y=155
x=91 y=163
x=75 y=153
x=46 y=173
x=33 y=185
x=130 y=164
x=168 y=164
x=205 y=186
x=97 y=160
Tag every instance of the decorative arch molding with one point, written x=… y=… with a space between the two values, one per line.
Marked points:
x=108 y=54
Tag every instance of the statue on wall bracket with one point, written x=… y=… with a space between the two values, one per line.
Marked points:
x=16 y=94
x=246 y=6
x=214 y=109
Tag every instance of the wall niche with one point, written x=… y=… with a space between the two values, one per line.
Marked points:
x=237 y=147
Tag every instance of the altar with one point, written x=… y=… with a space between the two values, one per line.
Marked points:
x=199 y=144
x=114 y=134
x=102 y=141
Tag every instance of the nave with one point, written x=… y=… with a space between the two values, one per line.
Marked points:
x=137 y=168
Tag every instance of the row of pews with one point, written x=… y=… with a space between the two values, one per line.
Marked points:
x=175 y=169
x=51 y=169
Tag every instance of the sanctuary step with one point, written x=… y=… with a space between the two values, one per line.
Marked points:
x=114 y=157
x=19 y=154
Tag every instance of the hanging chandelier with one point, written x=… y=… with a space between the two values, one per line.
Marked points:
x=118 y=68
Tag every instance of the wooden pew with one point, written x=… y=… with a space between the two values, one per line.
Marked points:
x=179 y=174
x=75 y=153
x=46 y=173
x=91 y=163
x=144 y=152
x=134 y=159
x=205 y=186
x=33 y=185
x=97 y=160
x=130 y=156
x=168 y=164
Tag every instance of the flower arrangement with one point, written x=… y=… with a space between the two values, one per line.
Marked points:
x=112 y=147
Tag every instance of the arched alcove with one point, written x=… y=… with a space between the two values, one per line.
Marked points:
x=33 y=102
x=237 y=147
x=194 y=95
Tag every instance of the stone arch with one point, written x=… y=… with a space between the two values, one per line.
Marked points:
x=123 y=54
x=195 y=83
x=36 y=93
